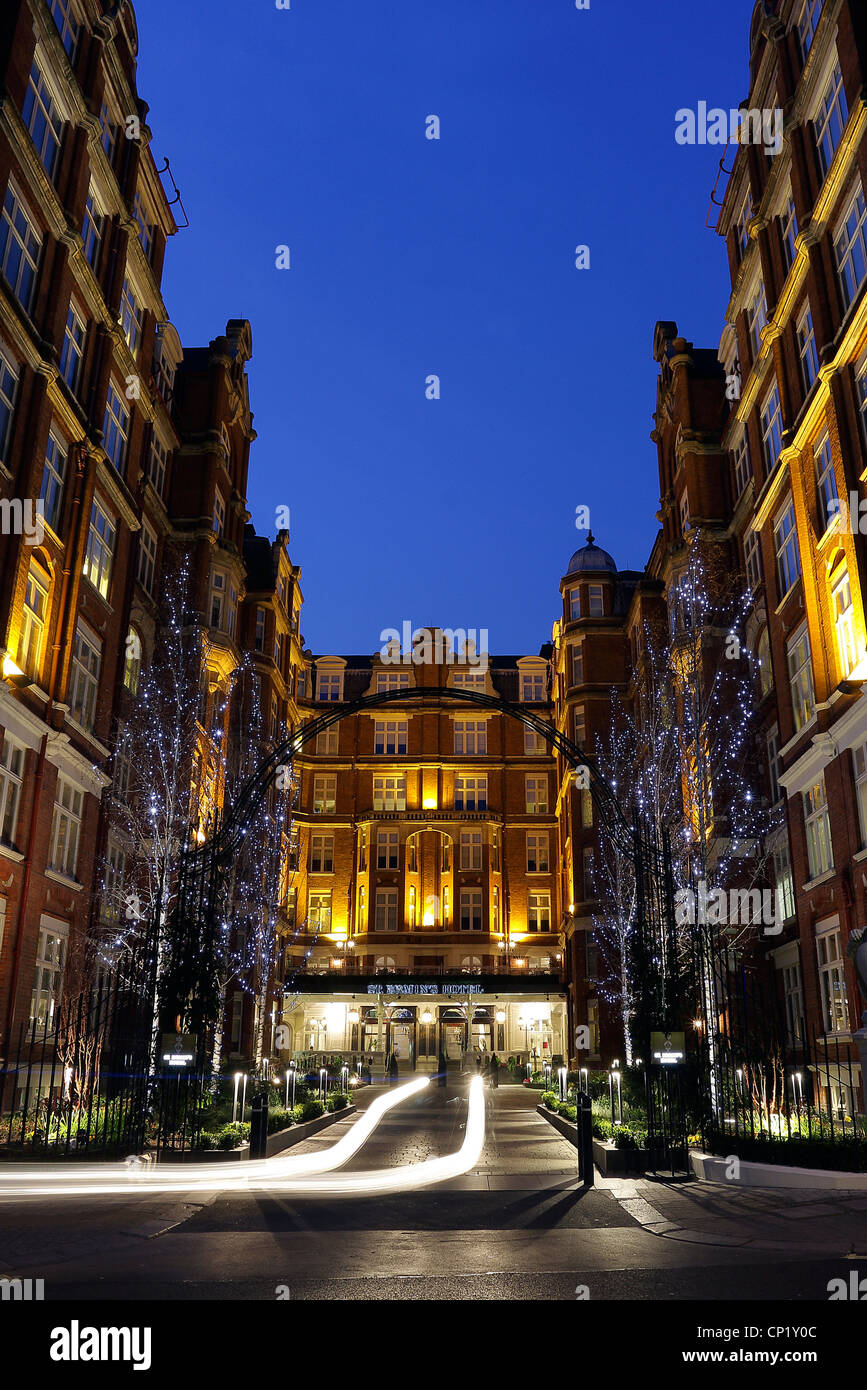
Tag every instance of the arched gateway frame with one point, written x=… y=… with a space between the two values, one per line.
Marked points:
x=190 y=969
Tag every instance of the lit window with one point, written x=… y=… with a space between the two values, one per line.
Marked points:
x=132 y=662
x=20 y=245
x=387 y=849
x=532 y=687
x=831 y=119
x=801 y=678
x=539 y=911
x=48 y=974
x=12 y=758
x=826 y=484
x=116 y=430
x=321 y=854
x=319 y=913
x=131 y=318
x=72 y=352
x=43 y=120
x=832 y=981
x=785 y=888
x=811 y=13
x=757 y=317
x=146 y=566
x=471 y=793
x=65 y=828
x=766 y=670
x=471 y=736
x=33 y=620
x=100 y=550
x=219 y=514
x=537 y=854
x=385 y=914
x=536 y=795
x=850 y=248
x=772 y=430
x=471 y=909
x=789 y=231
x=818 y=827
x=390 y=736
x=786 y=549
x=324 y=795
x=807 y=350
x=849 y=647
x=53 y=479
x=91 y=231
x=84 y=676
x=389 y=793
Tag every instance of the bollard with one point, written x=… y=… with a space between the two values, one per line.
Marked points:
x=585 y=1138
x=259 y=1127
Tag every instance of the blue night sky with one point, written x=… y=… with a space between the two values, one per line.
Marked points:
x=411 y=257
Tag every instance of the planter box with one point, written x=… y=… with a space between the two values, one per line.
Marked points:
x=568 y=1128
x=277 y=1143
x=611 y=1162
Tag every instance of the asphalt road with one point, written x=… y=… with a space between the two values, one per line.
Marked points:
x=517 y=1227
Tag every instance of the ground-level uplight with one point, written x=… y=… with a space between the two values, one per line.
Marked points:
x=323 y=1083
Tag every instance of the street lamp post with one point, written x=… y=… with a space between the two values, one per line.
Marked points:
x=235 y=1098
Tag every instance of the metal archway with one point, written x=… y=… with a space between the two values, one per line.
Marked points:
x=204 y=871
x=226 y=840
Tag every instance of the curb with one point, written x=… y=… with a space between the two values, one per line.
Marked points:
x=712 y=1168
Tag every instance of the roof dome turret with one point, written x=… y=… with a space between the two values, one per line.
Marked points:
x=592 y=559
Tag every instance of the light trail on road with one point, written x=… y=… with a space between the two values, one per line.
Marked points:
x=410 y=1176
x=104 y=1180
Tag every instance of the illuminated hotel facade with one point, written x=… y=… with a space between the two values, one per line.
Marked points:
x=427 y=890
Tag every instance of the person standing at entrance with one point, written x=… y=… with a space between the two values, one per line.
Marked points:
x=495 y=1072
x=392 y=1069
